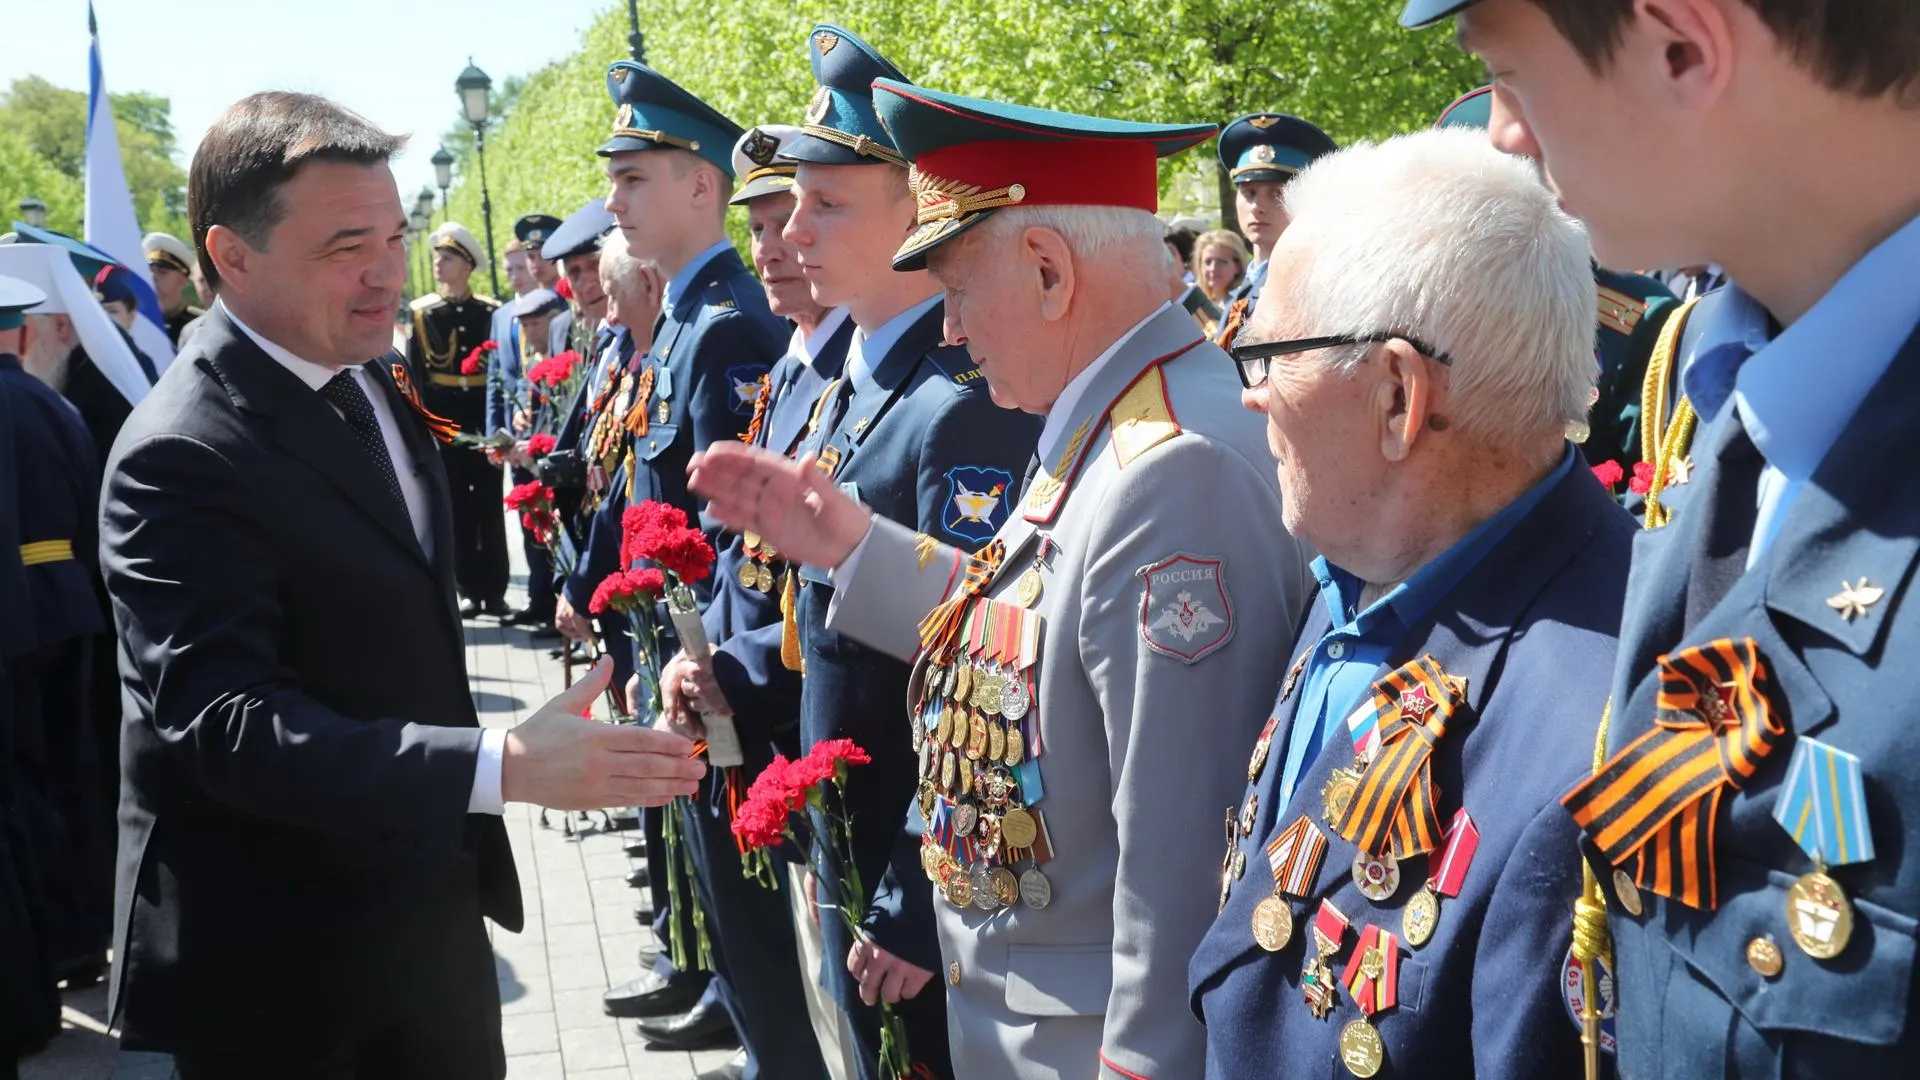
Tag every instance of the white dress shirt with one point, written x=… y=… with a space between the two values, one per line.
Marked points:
x=485 y=797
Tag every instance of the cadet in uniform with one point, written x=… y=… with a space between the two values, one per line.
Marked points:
x=446 y=327
x=1404 y=853
x=1261 y=152
x=171 y=264
x=1083 y=683
x=1632 y=310
x=1754 y=806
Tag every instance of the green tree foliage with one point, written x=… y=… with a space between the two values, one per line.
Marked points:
x=43 y=147
x=1344 y=64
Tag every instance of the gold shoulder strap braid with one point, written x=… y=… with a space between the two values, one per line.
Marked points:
x=1664 y=441
x=1592 y=939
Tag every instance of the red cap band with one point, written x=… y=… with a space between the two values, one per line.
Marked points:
x=1089 y=172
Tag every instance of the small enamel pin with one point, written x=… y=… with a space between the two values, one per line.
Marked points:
x=1853 y=600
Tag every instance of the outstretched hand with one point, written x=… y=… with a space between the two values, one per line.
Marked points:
x=557 y=758
x=792 y=505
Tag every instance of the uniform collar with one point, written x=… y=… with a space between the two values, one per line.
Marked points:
x=870 y=350
x=681 y=283
x=806 y=348
x=1062 y=409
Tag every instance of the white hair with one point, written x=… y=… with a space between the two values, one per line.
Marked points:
x=619 y=269
x=1440 y=236
x=1088 y=230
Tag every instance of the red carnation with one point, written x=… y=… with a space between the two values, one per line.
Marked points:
x=541 y=444
x=530 y=495
x=489 y=345
x=1642 y=481
x=771 y=785
x=1608 y=473
x=562 y=289
x=808 y=773
x=472 y=365
x=842 y=750
x=760 y=823
x=623 y=591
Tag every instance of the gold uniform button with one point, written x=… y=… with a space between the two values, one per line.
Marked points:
x=1765 y=957
x=953 y=973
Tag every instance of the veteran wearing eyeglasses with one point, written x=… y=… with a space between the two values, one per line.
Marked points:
x=1423 y=342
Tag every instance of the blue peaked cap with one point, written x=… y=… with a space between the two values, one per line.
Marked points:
x=653 y=112
x=842 y=127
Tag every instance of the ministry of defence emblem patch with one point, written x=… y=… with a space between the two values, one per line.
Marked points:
x=1185 y=612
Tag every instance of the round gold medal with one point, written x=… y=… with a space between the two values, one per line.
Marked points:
x=1016 y=747
x=1337 y=793
x=765 y=584
x=1030 y=588
x=958 y=888
x=996 y=741
x=1819 y=916
x=1361 y=1050
x=1273 y=923
x=1628 y=892
x=1418 y=920
x=749 y=575
x=1006 y=888
x=977 y=738
x=963 y=684
x=946 y=772
x=930 y=859
x=944 y=730
x=957 y=733
x=986 y=693
x=1018 y=828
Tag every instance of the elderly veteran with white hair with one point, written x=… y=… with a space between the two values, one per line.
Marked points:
x=1083 y=689
x=1419 y=351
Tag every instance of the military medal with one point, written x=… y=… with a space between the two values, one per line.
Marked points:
x=1014 y=699
x=1628 y=892
x=946 y=771
x=1226 y=861
x=982 y=880
x=1337 y=793
x=1823 y=807
x=1293 y=676
x=963 y=683
x=1030 y=587
x=1016 y=748
x=1372 y=976
x=1273 y=923
x=1457 y=848
x=996 y=741
x=766 y=578
x=1261 y=747
x=749 y=575
x=1006 y=889
x=1019 y=828
x=931 y=858
x=965 y=817
x=958 y=888
x=976 y=737
x=1250 y=813
x=1035 y=890
x=1376 y=876
x=957 y=734
x=1316 y=979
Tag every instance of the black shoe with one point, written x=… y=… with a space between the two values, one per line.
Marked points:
x=639 y=878
x=470 y=609
x=82 y=973
x=528 y=617
x=636 y=849
x=704 y=1027
x=625 y=819
x=643 y=915
x=546 y=633
x=652 y=995
x=496 y=608
x=734 y=1069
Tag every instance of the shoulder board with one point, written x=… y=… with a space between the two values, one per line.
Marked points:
x=1619 y=312
x=1143 y=417
x=425 y=302
x=953 y=362
x=488 y=302
x=195 y=312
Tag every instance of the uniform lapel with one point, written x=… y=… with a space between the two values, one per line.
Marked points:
x=426 y=452
x=795 y=405
x=892 y=376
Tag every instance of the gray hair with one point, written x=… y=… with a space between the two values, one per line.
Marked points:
x=619 y=269
x=1088 y=230
x=1439 y=235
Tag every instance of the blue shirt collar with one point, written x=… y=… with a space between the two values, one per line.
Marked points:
x=1797 y=389
x=869 y=350
x=681 y=282
x=1411 y=600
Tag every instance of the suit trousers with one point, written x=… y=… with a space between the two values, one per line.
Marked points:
x=540 y=592
x=830 y=1027
x=479 y=524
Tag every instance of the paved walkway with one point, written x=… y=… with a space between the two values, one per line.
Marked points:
x=580 y=937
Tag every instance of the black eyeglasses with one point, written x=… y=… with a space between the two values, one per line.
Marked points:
x=1252 y=361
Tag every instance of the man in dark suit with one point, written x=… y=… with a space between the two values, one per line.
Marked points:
x=309 y=831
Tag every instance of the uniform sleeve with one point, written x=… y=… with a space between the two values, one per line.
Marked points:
x=194 y=592
x=1198 y=701
x=1520 y=1024
x=735 y=349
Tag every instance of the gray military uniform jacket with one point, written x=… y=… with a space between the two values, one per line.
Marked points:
x=1167 y=593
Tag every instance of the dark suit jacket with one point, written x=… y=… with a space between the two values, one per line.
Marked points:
x=1689 y=1002
x=299 y=740
x=1532 y=630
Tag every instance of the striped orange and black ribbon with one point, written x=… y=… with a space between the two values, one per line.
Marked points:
x=1657 y=800
x=443 y=429
x=943 y=622
x=760 y=398
x=1395 y=802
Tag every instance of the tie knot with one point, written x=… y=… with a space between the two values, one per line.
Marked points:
x=344 y=392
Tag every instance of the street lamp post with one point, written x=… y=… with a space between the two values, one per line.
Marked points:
x=418 y=224
x=443 y=176
x=33 y=212
x=473 y=86
x=636 y=41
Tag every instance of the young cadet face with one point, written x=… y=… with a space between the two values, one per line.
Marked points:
x=519 y=273
x=1610 y=145
x=652 y=195
x=451 y=271
x=1262 y=211
x=847 y=222
x=774 y=256
x=328 y=279
x=544 y=272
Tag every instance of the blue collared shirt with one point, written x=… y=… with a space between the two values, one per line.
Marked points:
x=867 y=350
x=1796 y=390
x=1342 y=665
x=680 y=283
x=1257 y=276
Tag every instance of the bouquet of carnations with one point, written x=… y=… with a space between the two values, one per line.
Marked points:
x=534 y=501
x=765 y=821
x=551 y=386
x=479 y=361
x=661 y=557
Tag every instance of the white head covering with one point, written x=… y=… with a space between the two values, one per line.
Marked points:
x=454 y=237
x=49 y=269
x=167 y=250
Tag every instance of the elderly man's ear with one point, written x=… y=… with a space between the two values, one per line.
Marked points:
x=1408 y=396
x=1051 y=262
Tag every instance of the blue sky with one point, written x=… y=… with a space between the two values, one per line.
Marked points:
x=391 y=60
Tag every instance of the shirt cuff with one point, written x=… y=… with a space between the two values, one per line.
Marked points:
x=486 y=797
x=851 y=564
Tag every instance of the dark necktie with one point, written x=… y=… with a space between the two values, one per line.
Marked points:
x=345 y=394
x=1729 y=508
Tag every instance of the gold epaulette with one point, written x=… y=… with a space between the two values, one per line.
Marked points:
x=1143 y=418
x=1618 y=311
x=424 y=302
